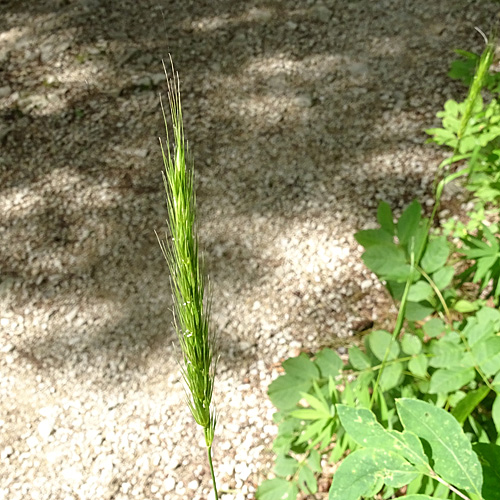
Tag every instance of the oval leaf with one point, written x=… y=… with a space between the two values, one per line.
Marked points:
x=370 y=237
x=411 y=344
x=381 y=342
x=388 y=261
x=284 y=392
x=442 y=277
x=301 y=367
x=277 y=489
x=329 y=363
x=364 y=472
x=421 y=290
x=436 y=255
x=358 y=359
x=452 y=453
x=418 y=365
x=444 y=381
x=391 y=376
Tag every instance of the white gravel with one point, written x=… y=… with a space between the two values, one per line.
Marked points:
x=302 y=115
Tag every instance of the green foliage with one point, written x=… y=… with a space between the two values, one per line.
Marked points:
x=464 y=69
x=472 y=128
x=305 y=428
x=390 y=256
x=453 y=367
x=419 y=407
x=484 y=249
x=430 y=436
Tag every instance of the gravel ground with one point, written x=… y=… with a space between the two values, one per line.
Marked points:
x=301 y=116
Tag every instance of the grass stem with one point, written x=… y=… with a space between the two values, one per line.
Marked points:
x=209 y=455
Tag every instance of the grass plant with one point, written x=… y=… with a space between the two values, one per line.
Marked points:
x=190 y=298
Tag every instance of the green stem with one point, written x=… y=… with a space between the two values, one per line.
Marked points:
x=437 y=292
x=449 y=486
x=209 y=454
x=397 y=329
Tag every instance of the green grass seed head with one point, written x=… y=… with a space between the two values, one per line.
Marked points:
x=180 y=249
x=477 y=85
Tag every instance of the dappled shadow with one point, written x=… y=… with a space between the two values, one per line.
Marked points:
x=292 y=114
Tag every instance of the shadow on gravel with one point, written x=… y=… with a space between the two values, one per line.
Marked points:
x=284 y=103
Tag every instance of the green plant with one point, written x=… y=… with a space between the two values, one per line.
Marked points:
x=180 y=249
x=456 y=367
x=484 y=248
x=399 y=459
x=472 y=129
x=408 y=406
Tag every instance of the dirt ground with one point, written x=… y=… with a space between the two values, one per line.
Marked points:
x=301 y=114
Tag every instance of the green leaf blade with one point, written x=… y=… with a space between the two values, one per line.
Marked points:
x=284 y=392
x=444 y=381
x=411 y=344
x=385 y=217
x=387 y=261
x=489 y=456
x=301 y=367
x=285 y=466
x=277 y=489
x=370 y=237
x=380 y=343
x=408 y=222
x=442 y=277
x=452 y=453
x=469 y=403
x=329 y=363
x=358 y=359
x=364 y=472
x=487 y=355
x=436 y=254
